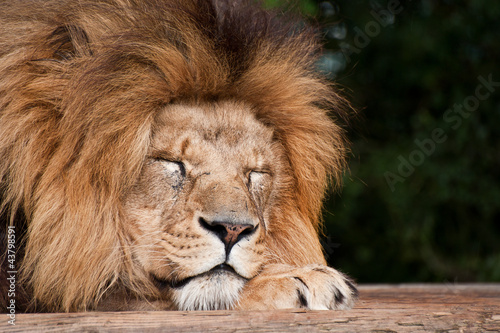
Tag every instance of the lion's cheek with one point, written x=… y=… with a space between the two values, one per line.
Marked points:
x=178 y=256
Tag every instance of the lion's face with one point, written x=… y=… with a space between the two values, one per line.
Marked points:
x=199 y=212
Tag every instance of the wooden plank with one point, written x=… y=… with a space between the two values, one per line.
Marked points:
x=381 y=308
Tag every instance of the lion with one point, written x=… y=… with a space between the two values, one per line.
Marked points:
x=166 y=155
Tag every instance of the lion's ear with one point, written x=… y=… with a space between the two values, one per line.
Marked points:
x=68 y=42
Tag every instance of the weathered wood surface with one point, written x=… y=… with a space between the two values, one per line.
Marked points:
x=381 y=308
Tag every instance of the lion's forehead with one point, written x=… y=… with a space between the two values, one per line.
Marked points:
x=219 y=130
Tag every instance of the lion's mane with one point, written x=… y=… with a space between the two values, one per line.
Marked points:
x=80 y=84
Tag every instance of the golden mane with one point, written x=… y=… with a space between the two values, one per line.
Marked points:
x=80 y=84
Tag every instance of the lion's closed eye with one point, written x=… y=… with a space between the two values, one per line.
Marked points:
x=258 y=179
x=174 y=170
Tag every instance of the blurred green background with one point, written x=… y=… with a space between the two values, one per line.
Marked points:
x=421 y=201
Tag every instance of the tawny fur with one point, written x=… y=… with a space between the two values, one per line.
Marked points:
x=81 y=83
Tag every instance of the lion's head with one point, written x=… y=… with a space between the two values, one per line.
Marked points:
x=160 y=152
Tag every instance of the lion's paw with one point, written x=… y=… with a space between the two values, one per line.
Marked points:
x=314 y=287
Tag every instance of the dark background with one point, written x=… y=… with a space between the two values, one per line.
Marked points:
x=421 y=201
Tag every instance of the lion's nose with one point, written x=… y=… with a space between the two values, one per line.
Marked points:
x=229 y=232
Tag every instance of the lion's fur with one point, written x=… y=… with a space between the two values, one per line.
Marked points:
x=80 y=85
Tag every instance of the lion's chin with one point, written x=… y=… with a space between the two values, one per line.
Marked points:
x=217 y=289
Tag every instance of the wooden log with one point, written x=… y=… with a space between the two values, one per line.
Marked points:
x=381 y=308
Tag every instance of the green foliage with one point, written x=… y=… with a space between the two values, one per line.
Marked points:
x=440 y=222
x=305 y=7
